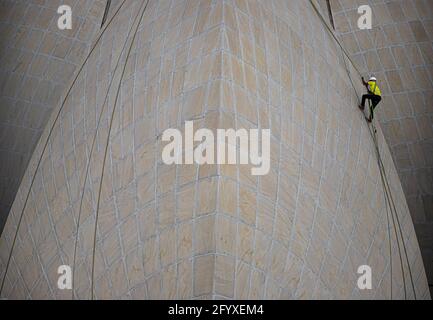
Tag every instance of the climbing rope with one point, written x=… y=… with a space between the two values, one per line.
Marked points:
x=384 y=179
x=98 y=38
x=397 y=219
x=92 y=149
x=387 y=203
x=389 y=242
x=106 y=11
x=333 y=35
x=143 y=10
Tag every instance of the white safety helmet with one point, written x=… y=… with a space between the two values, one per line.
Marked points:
x=372 y=78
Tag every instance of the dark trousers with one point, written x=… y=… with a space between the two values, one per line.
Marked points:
x=374 y=102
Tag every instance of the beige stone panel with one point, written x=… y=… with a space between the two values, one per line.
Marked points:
x=185 y=273
x=228 y=198
x=224 y=275
x=225 y=235
x=247 y=206
x=204 y=267
x=418 y=31
x=204 y=235
x=242 y=276
x=207 y=196
x=169 y=283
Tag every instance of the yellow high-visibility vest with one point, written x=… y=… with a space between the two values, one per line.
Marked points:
x=374 y=88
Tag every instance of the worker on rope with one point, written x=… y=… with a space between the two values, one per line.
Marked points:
x=374 y=95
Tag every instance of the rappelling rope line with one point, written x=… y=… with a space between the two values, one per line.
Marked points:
x=350 y=78
x=333 y=35
x=397 y=217
x=98 y=38
x=388 y=203
x=383 y=179
x=389 y=242
x=404 y=245
x=344 y=55
x=92 y=149
x=385 y=197
x=106 y=12
x=380 y=161
x=143 y=10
